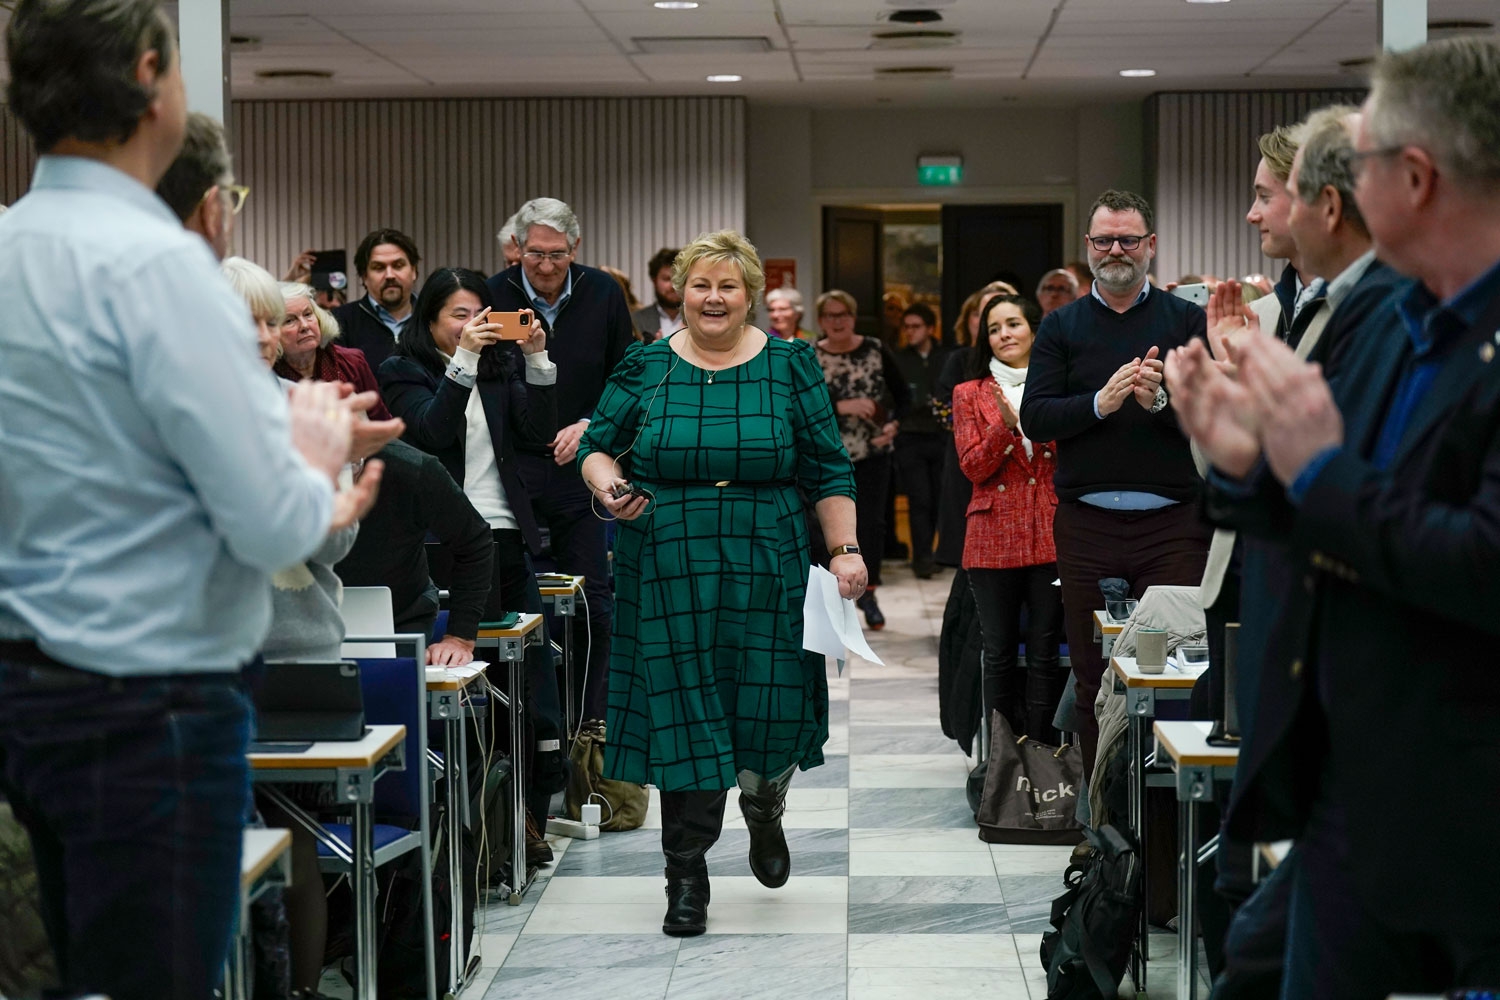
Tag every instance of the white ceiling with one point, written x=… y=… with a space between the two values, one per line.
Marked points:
x=822 y=52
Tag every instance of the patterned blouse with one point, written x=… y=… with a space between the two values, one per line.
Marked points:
x=860 y=374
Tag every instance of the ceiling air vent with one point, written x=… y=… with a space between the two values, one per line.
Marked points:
x=914 y=72
x=913 y=16
x=1453 y=27
x=703 y=46
x=294 y=75
x=914 y=39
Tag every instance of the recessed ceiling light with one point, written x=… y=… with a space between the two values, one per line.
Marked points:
x=724 y=78
x=676 y=4
x=1137 y=72
x=1207 y=1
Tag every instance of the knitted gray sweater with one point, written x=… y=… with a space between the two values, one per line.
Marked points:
x=306 y=623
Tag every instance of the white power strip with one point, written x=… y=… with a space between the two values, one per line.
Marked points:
x=584 y=828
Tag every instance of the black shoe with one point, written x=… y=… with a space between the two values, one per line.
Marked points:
x=687 y=906
x=762 y=803
x=873 y=618
x=924 y=571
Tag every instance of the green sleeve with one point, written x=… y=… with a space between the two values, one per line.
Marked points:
x=823 y=466
x=612 y=428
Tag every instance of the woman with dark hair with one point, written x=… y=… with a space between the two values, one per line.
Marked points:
x=467 y=396
x=1008 y=549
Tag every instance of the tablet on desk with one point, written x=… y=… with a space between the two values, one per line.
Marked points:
x=279 y=746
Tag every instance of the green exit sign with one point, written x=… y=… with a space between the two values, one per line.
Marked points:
x=940 y=171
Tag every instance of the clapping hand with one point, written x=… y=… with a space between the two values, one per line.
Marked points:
x=1007 y=412
x=1298 y=418
x=1230 y=322
x=1119 y=388
x=1216 y=412
x=1148 y=376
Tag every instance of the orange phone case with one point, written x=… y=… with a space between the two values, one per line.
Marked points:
x=513 y=325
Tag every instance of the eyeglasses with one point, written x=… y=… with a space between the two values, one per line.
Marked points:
x=237 y=195
x=835 y=315
x=1359 y=157
x=555 y=256
x=1105 y=243
x=1058 y=289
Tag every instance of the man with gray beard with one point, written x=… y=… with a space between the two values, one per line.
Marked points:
x=1126 y=486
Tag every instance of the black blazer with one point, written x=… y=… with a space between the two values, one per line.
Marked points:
x=433 y=407
x=361 y=329
x=1394 y=616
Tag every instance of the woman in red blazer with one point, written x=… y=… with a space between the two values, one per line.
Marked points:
x=1008 y=550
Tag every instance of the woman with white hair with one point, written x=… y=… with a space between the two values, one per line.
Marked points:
x=709 y=686
x=308 y=332
x=262 y=294
x=784 y=308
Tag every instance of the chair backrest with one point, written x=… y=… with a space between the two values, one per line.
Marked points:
x=367 y=611
x=395 y=692
x=440 y=626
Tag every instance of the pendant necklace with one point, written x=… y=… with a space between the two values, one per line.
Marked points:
x=732 y=351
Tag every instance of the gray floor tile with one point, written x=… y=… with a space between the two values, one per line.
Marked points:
x=616 y=983
x=833 y=773
x=874 y=808
x=898 y=689
x=939 y=918
x=752 y=951
x=877 y=739
x=570 y=951
x=1028 y=900
x=768 y=982
x=925 y=890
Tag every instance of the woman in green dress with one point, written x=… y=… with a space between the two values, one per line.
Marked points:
x=709 y=686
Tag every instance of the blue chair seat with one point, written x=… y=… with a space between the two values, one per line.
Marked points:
x=385 y=836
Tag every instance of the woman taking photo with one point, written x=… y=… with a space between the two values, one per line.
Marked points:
x=308 y=351
x=870 y=397
x=1008 y=550
x=467 y=396
x=717 y=426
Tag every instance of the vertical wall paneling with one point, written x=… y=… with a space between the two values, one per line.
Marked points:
x=1203 y=155
x=641 y=173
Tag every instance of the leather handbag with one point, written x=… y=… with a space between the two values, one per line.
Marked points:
x=622 y=803
x=1030 y=790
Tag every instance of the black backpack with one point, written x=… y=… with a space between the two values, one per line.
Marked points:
x=401 y=957
x=1094 y=922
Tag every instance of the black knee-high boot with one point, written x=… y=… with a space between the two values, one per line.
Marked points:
x=763 y=800
x=690 y=824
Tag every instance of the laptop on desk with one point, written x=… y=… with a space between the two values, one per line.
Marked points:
x=298 y=702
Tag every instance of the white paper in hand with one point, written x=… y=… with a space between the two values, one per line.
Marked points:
x=830 y=624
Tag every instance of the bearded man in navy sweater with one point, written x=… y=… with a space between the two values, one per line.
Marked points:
x=1126 y=485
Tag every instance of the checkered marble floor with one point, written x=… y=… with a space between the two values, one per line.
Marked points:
x=892 y=892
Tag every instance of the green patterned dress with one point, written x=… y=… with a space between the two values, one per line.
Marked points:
x=707 y=675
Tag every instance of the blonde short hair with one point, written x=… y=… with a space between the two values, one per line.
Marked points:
x=1278 y=148
x=255 y=285
x=836 y=295
x=725 y=246
x=328 y=326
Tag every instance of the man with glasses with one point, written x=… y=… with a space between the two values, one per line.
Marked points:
x=588 y=329
x=1383 y=485
x=1126 y=485
x=1057 y=288
x=200 y=187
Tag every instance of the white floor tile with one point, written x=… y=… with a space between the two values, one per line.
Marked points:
x=806 y=809
x=918 y=710
x=949 y=984
x=934 y=863
x=932 y=951
x=480 y=984
x=1018 y=859
x=907 y=771
x=916 y=840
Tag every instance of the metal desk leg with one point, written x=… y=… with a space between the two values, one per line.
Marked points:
x=235 y=985
x=362 y=883
x=573 y=712
x=519 y=876
x=1187 y=890
x=453 y=780
x=1137 y=791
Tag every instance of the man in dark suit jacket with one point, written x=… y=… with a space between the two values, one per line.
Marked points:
x=588 y=329
x=1376 y=737
x=386 y=261
x=663 y=317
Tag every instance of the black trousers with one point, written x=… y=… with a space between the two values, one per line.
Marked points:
x=1147 y=547
x=1027 y=698
x=872 y=483
x=919 y=474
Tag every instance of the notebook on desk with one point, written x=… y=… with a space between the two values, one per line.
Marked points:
x=309 y=701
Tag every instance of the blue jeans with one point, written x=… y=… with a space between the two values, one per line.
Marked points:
x=134 y=792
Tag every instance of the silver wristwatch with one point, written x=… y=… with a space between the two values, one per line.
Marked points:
x=1160 y=403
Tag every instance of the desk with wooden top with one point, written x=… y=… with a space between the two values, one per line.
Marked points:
x=265 y=863
x=446 y=704
x=508 y=646
x=1197 y=765
x=1106 y=630
x=351 y=768
x=560 y=592
x=1142 y=692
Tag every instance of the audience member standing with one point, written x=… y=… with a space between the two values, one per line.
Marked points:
x=588 y=329
x=664 y=316
x=200 y=187
x=135 y=566
x=1126 y=485
x=386 y=261
x=1057 y=288
x=1008 y=549
x=1383 y=484
x=923 y=441
x=784 y=310
x=870 y=397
